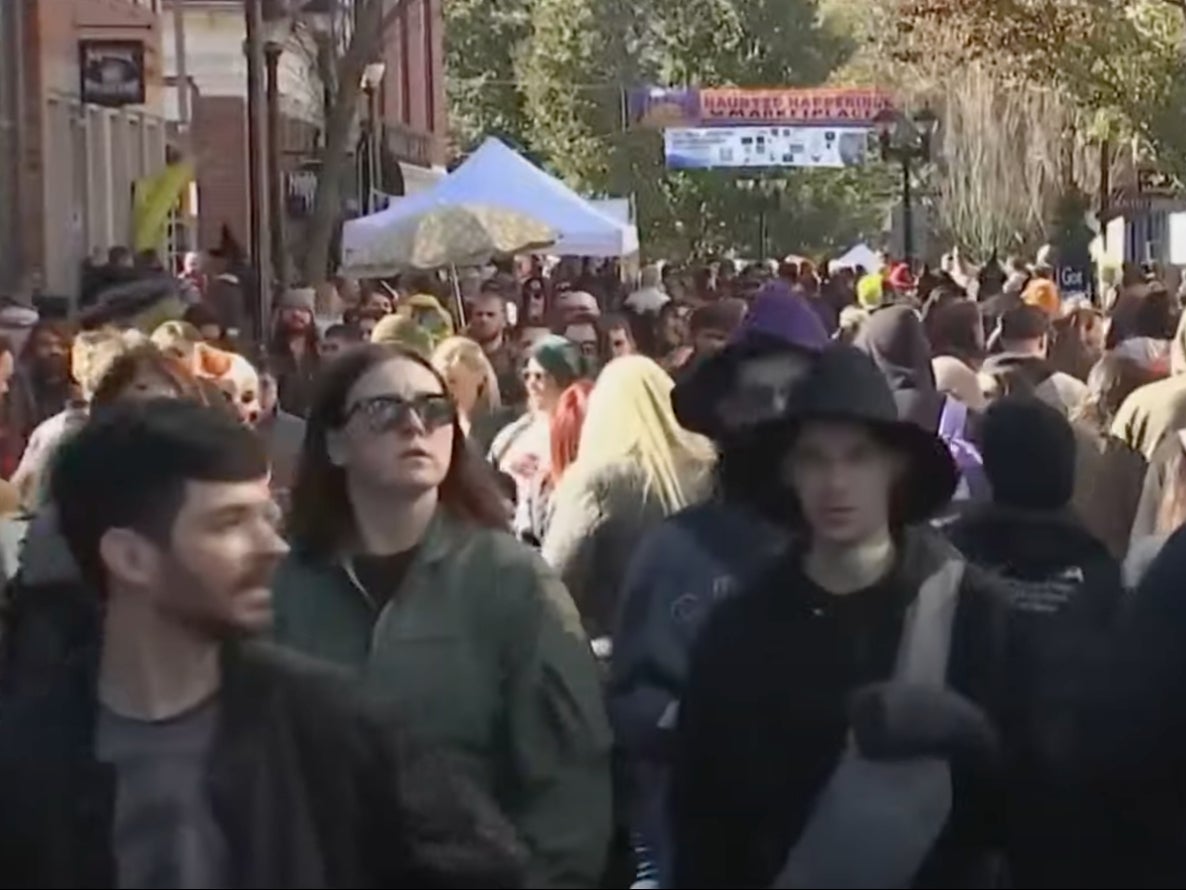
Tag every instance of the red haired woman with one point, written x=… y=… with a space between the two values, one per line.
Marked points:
x=565 y=432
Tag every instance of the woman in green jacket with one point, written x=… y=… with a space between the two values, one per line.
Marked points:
x=402 y=570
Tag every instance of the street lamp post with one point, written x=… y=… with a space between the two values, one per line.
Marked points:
x=771 y=191
x=372 y=77
x=257 y=167
x=272 y=51
x=906 y=140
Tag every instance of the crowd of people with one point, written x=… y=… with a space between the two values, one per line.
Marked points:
x=782 y=575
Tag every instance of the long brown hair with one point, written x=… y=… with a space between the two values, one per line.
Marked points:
x=322 y=518
x=1110 y=382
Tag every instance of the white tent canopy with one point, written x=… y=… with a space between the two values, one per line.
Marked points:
x=860 y=255
x=496 y=176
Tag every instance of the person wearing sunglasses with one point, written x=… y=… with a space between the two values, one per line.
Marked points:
x=402 y=569
x=523 y=449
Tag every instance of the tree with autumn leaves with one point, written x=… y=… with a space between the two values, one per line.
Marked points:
x=1124 y=61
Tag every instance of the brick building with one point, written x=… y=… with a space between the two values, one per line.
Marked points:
x=411 y=106
x=68 y=160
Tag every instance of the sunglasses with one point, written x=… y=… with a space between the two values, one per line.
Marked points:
x=385 y=413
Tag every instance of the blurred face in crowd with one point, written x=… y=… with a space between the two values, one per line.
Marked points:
x=51 y=355
x=673 y=328
x=269 y=394
x=465 y=385
x=192 y=264
x=1094 y=333
x=844 y=478
x=487 y=318
x=332 y=345
x=214 y=570
x=399 y=430
x=761 y=389
x=620 y=342
x=534 y=302
x=543 y=392
x=584 y=336
x=295 y=320
x=366 y=326
x=349 y=292
x=7 y=365
x=709 y=341
x=380 y=302
x=529 y=336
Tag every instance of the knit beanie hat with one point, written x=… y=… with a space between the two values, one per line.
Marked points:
x=869 y=290
x=299 y=298
x=561 y=358
x=399 y=330
x=779 y=314
x=1029 y=454
x=1043 y=293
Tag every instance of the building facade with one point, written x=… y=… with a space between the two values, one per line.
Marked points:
x=81 y=119
x=410 y=107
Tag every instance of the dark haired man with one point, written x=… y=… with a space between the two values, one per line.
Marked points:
x=1022 y=365
x=488 y=328
x=144 y=743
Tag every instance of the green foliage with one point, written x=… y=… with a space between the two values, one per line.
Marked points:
x=1123 y=60
x=571 y=62
x=481 y=42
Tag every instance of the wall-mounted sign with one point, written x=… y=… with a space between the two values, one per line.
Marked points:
x=704 y=148
x=662 y=107
x=112 y=72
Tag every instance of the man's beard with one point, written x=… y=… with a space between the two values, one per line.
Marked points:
x=257 y=574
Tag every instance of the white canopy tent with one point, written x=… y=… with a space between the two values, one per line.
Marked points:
x=496 y=176
x=860 y=255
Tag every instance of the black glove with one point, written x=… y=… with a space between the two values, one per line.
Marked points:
x=895 y=721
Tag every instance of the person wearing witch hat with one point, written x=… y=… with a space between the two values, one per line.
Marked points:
x=703 y=554
x=834 y=727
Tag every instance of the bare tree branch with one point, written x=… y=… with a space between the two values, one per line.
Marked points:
x=372 y=19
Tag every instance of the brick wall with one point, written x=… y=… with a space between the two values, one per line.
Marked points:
x=220 y=143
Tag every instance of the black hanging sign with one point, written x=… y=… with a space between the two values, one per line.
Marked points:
x=112 y=72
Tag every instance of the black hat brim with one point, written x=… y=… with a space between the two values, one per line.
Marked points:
x=699 y=390
x=931 y=477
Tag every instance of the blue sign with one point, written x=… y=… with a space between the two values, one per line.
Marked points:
x=1075 y=281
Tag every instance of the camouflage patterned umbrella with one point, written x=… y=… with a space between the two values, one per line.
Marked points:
x=454 y=235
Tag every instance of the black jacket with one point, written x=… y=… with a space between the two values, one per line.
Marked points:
x=310 y=789
x=1050 y=559
x=1141 y=732
x=764 y=717
x=1064 y=588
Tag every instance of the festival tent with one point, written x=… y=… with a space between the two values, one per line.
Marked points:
x=496 y=176
x=860 y=255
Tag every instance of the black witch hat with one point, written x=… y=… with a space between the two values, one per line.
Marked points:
x=845 y=385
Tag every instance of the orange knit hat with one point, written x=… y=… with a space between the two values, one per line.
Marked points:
x=1043 y=293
